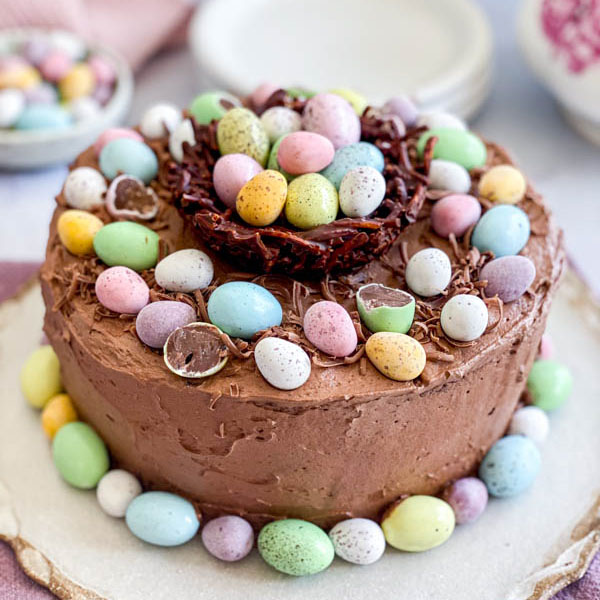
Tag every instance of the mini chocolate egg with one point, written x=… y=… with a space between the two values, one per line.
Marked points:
x=77 y=229
x=84 y=108
x=440 y=120
x=468 y=498
x=295 y=547
x=510 y=466
x=162 y=519
x=428 y=272
x=449 y=176
x=69 y=43
x=182 y=134
x=384 y=308
x=12 y=103
x=503 y=184
x=508 y=277
x=550 y=384
x=312 y=200
x=19 y=77
x=35 y=49
x=40 y=376
x=43 y=116
x=44 y=93
x=159 y=120
x=530 y=421
x=418 y=523
x=129 y=157
x=455 y=145
x=546 y=349
x=195 y=351
x=103 y=70
x=332 y=117
x=58 y=411
x=122 y=290
x=241 y=309
x=358 y=541
x=361 y=154
x=240 y=131
x=396 y=355
x=55 y=65
x=283 y=364
x=273 y=163
x=503 y=230
x=361 y=192
x=262 y=93
x=329 y=327
x=229 y=538
x=231 y=173
x=128 y=244
x=261 y=200
x=103 y=93
x=212 y=106
x=403 y=107
x=115 y=492
x=464 y=317
x=304 y=152
x=186 y=271
x=455 y=213
x=128 y=197
x=77 y=82
x=356 y=100
x=157 y=320
x=300 y=93
x=280 y=120
x=115 y=133
x=84 y=188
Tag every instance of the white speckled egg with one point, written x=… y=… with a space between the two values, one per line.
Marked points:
x=116 y=490
x=85 y=108
x=464 y=317
x=12 y=103
x=184 y=271
x=160 y=120
x=359 y=541
x=532 y=422
x=362 y=190
x=450 y=176
x=436 y=120
x=283 y=364
x=184 y=132
x=280 y=120
x=428 y=272
x=84 y=188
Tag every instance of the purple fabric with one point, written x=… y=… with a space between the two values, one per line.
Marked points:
x=14 y=584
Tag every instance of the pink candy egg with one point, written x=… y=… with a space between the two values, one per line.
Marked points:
x=508 y=277
x=262 y=93
x=114 y=134
x=103 y=71
x=304 y=152
x=231 y=173
x=546 y=347
x=122 y=290
x=333 y=117
x=329 y=327
x=468 y=498
x=228 y=538
x=55 y=65
x=455 y=214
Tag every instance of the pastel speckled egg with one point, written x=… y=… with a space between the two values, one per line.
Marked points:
x=464 y=317
x=295 y=547
x=55 y=65
x=312 y=200
x=280 y=120
x=159 y=120
x=183 y=133
x=77 y=230
x=550 y=384
x=40 y=376
x=358 y=541
x=80 y=456
x=84 y=108
x=546 y=349
x=468 y=498
x=361 y=192
x=231 y=173
x=329 y=327
x=212 y=106
x=43 y=116
x=436 y=120
x=84 y=188
x=356 y=100
x=455 y=145
x=229 y=538
x=122 y=290
x=241 y=309
x=428 y=272
x=450 y=176
x=333 y=117
x=58 y=412
x=128 y=244
x=128 y=197
x=396 y=355
x=304 y=152
x=261 y=200
x=283 y=364
x=510 y=466
x=273 y=163
x=403 y=107
x=157 y=320
x=162 y=519
x=240 y=131
x=508 y=277
x=185 y=271
x=504 y=184
x=102 y=68
x=12 y=103
x=115 y=492
x=115 y=133
x=361 y=154
x=418 y=523
x=19 y=77
x=129 y=157
x=455 y=213
x=530 y=421
x=384 y=308
x=77 y=82
x=503 y=230
x=44 y=93
x=262 y=93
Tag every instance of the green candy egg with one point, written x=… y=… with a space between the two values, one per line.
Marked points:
x=80 y=455
x=300 y=92
x=127 y=244
x=273 y=163
x=385 y=309
x=212 y=106
x=240 y=131
x=549 y=384
x=295 y=547
x=312 y=200
x=455 y=145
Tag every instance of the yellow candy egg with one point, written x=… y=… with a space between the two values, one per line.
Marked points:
x=22 y=78
x=503 y=184
x=312 y=200
x=358 y=101
x=418 y=523
x=78 y=82
x=261 y=200
x=58 y=412
x=76 y=230
x=40 y=376
x=396 y=355
x=241 y=131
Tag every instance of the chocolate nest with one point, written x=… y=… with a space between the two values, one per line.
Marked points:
x=344 y=244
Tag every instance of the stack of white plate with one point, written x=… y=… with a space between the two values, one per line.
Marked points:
x=437 y=51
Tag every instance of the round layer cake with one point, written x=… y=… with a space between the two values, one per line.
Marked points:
x=349 y=441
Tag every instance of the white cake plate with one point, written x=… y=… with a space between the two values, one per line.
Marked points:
x=526 y=548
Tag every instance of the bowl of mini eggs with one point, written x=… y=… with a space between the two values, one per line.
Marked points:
x=57 y=94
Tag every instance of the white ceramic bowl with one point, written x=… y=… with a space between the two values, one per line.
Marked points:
x=33 y=149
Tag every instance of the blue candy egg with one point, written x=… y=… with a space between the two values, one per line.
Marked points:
x=43 y=116
x=503 y=229
x=129 y=157
x=510 y=466
x=240 y=309
x=361 y=154
x=162 y=519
